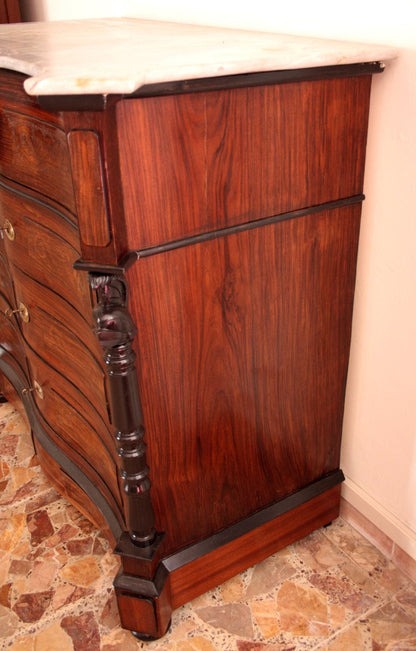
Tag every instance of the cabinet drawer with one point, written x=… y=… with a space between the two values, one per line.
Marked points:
x=6 y=282
x=45 y=246
x=69 y=350
x=80 y=435
x=40 y=301
x=34 y=153
x=10 y=337
x=200 y=162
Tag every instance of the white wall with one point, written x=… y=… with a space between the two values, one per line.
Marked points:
x=379 y=445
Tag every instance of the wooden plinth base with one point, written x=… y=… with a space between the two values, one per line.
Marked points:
x=146 y=605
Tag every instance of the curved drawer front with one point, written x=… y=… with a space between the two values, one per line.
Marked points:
x=34 y=153
x=59 y=343
x=45 y=246
x=6 y=282
x=10 y=338
x=79 y=433
x=41 y=301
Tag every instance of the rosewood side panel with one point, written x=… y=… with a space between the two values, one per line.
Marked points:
x=251 y=369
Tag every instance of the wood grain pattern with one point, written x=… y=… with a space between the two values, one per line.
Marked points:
x=167 y=161
x=34 y=153
x=66 y=412
x=87 y=172
x=10 y=339
x=195 y=163
x=10 y=11
x=250 y=371
x=45 y=246
x=6 y=281
x=103 y=124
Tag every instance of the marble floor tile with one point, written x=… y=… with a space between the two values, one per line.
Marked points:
x=332 y=591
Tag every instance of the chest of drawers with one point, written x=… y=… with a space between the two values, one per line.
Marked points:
x=203 y=235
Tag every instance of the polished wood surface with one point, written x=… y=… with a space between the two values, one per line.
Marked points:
x=84 y=147
x=10 y=11
x=211 y=160
x=250 y=371
x=34 y=153
x=99 y=186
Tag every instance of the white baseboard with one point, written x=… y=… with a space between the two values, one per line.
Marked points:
x=386 y=522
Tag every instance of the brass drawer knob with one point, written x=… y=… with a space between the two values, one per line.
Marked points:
x=8 y=229
x=22 y=310
x=35 y=389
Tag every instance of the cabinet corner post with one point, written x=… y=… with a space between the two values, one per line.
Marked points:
x=116 y=331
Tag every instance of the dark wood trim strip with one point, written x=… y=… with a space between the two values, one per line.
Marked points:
x=62 y=212
x=247 y=226
x=236 y=531
x=258 y=79
x=226 y=82
x=107 y=269
x=132 y=256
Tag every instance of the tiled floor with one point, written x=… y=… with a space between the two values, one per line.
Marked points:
x=332 y=591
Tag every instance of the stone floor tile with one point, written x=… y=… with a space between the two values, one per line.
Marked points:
x=53 y=638
x=268 y=575
x=356 y=638
x=234 y=618
x=392 y=625
x=303 y=611
x=84 y=631
x=266 y=617
x=82 y=572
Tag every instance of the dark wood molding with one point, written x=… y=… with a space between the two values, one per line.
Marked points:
x=133 y=256
x=107 y=269
x=258 y=79
x=247 y=226
x=101 y=102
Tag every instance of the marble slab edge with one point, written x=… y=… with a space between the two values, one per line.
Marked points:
x=120 y=55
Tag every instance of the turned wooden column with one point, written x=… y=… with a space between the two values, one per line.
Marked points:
x=116 y=331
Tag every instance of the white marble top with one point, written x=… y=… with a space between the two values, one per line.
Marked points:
x=119 y=55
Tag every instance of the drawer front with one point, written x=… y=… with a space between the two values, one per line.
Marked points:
x=6 y=282
x=34 y=153
x=200 y=162
x=65 y=343
x=45 y=246
x=79 y=434
x=10 y=336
